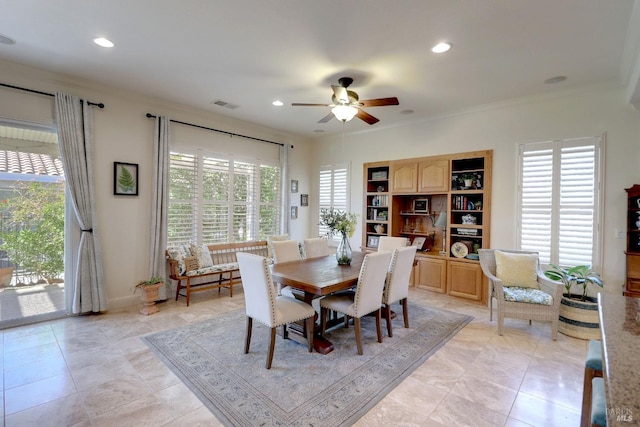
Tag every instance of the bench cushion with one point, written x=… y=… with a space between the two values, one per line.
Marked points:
x=218 y=268
x=530 y=295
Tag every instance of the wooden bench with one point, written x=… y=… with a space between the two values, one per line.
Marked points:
x=223 y=273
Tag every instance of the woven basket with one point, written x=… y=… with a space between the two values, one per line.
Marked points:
x=579 y=319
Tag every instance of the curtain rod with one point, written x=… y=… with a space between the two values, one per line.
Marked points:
x=151 y=116
x=99 y=105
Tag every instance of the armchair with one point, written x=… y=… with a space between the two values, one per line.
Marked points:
x=520 y=288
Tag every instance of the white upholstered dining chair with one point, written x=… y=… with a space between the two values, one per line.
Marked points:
x=262 y=303
x=366 y=299
x=316 y=247
x=389 y=243
x=396 y=288
x=285 y=251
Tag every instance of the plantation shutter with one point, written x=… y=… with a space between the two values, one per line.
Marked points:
x=215 y=196
x=183 y=189
x=333 y=190
x=559 y=201
x=216 y=200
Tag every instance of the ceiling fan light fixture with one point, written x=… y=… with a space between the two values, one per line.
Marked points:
x=344 y=113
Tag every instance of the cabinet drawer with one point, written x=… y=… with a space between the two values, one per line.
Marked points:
x=633 y=266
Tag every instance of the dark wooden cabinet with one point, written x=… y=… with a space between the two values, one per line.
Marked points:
x=632 y=283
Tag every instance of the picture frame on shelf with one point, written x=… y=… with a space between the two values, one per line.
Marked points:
x=418 y=242
x=372 y=241
x=125 y=179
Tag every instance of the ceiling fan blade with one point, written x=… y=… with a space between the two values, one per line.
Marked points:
x=363 y=115
x=380 y=102
x=326 y=118
x=302 y=104
x=341 y=94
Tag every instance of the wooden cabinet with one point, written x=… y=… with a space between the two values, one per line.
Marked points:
x=431 y=274
x=632 y=283
x=433 y=176
x=404 y=176
x=376 y=210
x=454 y=187
x=465 y=279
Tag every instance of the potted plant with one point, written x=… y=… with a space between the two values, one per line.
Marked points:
x=578 y=312
x=468 y=179
x=344 y=223
x=149 y=295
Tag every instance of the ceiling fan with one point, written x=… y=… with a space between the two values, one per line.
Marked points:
x=346 y=104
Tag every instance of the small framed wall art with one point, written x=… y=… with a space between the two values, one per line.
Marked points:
x=294 y=212
x=294 y=185
x=125 y=179
x=304 y=200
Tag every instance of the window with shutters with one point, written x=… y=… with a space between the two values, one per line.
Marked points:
x=559 y=200
x=217 y=200
x=334 y=190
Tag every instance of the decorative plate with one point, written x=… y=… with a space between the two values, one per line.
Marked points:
x=459 y=250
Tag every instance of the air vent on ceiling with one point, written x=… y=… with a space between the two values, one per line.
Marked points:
x=225 y=104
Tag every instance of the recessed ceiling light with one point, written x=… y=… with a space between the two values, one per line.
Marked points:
x=556 y=79
x=277 y=103
x=318 y=130
x=6 y=40
x=441 y=47
x=101 y=41
x=406 y=112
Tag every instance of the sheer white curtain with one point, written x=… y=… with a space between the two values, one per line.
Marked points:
x=284 y=191
x=159 y=207
x=84 y=279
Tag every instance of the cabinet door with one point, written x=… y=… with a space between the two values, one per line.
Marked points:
x=433 y=176
x=431 y=274
x=464 y=279
x=404 y=177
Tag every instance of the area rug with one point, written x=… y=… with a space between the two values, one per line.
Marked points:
x=301 y=388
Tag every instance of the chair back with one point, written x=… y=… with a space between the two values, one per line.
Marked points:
x=373 y=273
x=285 y=251
x=388 y=243
x=259 y=290
x=316 y=247
x=397 y=285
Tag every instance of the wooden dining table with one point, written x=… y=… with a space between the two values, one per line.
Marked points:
x=620 y=328
x=314 y=278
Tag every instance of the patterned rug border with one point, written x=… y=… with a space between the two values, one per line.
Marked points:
x=404 y=356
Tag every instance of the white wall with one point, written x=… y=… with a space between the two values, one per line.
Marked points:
x=124 y=134
x=501 y=128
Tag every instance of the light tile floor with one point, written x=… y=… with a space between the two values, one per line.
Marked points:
x=94 y=371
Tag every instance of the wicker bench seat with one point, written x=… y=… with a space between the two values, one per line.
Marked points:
x=191 y=268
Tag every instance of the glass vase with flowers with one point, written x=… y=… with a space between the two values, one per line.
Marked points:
x=339 y=221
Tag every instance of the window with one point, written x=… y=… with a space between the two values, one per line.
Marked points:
x=217 y=200
x=334 y=187
x=559 y=200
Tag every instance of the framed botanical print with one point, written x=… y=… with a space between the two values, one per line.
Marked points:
x=125 y=179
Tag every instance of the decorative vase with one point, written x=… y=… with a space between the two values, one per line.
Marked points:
x=579 y=319
x=149 y=296
x=344 y=253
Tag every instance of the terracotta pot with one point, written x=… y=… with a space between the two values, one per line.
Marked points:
x=5 y=276
x=579 y=319
x=149 y=297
